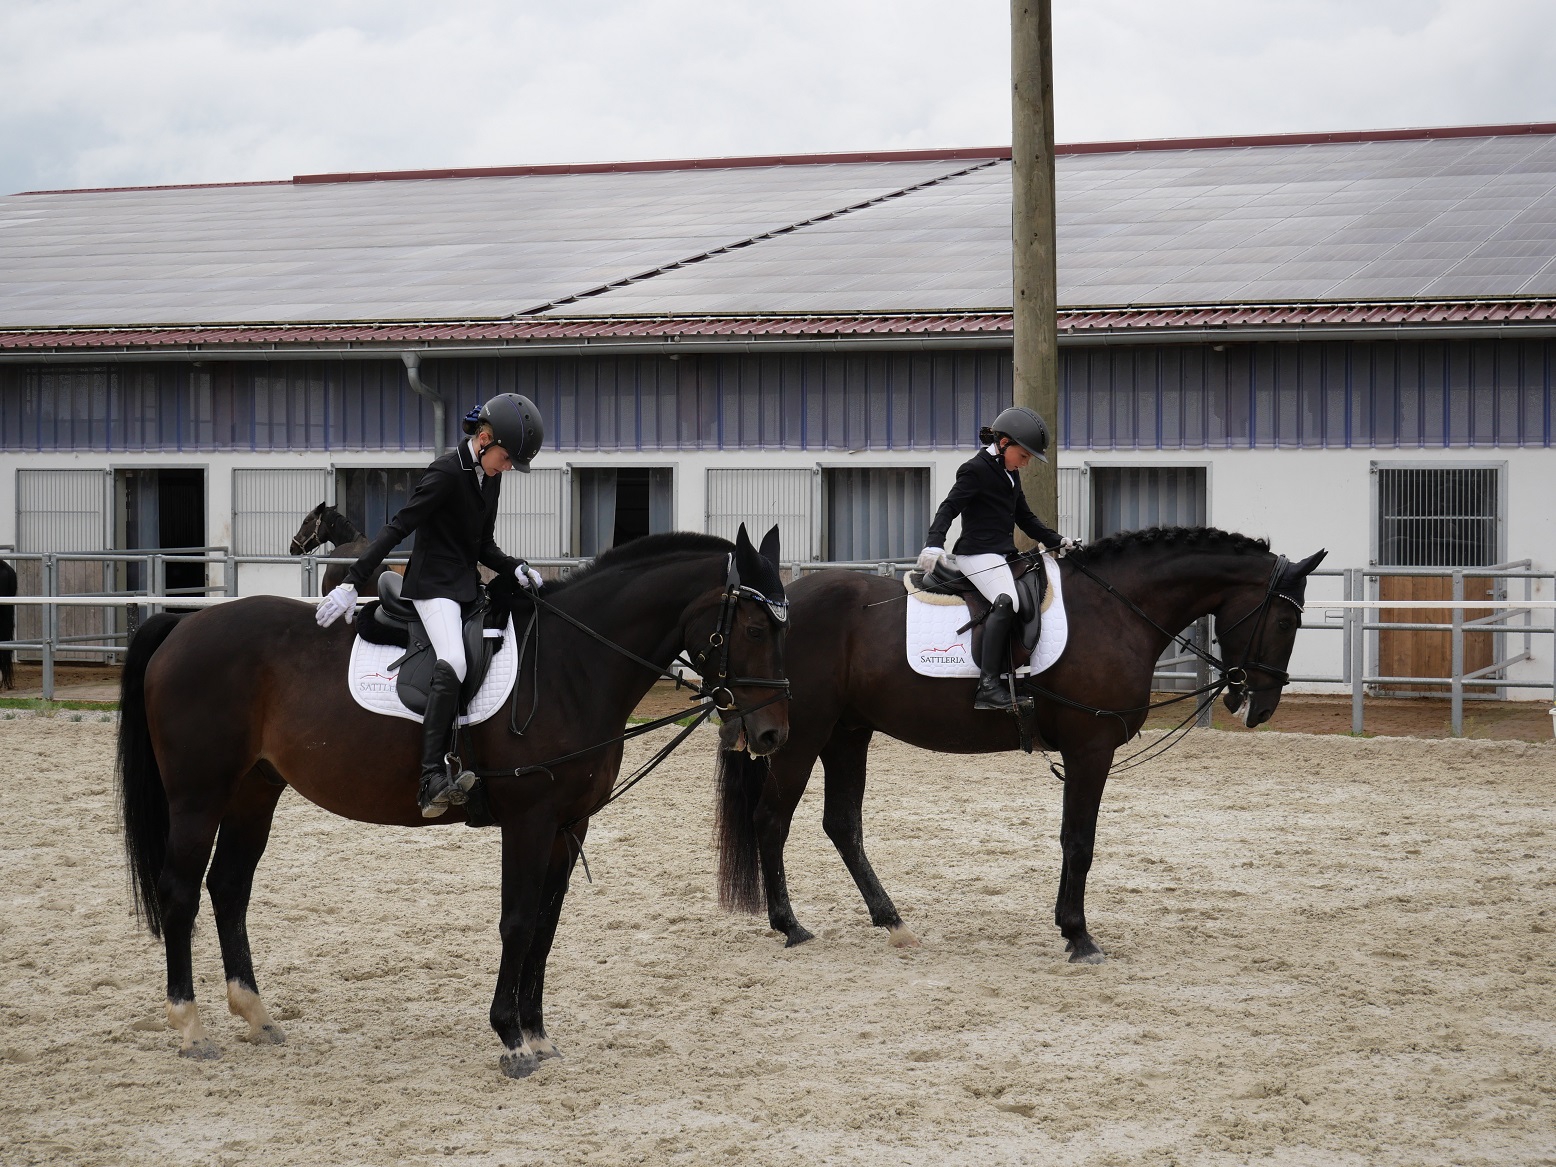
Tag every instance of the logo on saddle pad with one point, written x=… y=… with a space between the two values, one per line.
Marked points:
x=376 y=682
x=951 y=654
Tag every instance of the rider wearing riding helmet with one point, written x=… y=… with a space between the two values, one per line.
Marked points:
x=453 y=512
x=988 y=496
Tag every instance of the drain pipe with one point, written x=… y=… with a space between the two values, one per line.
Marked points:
x=413 y=372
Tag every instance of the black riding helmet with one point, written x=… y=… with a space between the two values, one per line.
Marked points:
x=1022 y=426
x=516 y=427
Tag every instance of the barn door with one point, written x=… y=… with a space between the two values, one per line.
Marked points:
x=1434 y=517
x=64 y=510
x=1131 y=498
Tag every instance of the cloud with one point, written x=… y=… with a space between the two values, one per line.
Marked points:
x=163 y=91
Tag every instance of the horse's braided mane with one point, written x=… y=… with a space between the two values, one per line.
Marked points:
x=640 y=550
x=1166 y=538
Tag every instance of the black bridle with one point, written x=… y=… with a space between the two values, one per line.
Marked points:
x=714 y=692
x=300 y=542
x=1234 y=677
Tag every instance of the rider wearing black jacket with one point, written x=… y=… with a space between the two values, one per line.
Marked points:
x=453 y=512
x=988 y=496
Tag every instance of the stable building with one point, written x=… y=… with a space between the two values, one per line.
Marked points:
x=1337 y=340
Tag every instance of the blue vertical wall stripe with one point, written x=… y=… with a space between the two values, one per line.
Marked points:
x=1393 y=394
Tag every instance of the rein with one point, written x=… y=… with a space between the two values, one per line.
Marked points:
x=1235 y=676
x=715 y=691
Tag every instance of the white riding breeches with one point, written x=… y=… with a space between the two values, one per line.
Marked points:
x=991 y=575
x=441 y=618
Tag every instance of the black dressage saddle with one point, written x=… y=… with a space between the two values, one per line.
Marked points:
x=393 y=620
x=1031 y=589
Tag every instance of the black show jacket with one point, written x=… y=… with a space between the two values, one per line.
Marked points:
x=991 y=506
x=453 y=515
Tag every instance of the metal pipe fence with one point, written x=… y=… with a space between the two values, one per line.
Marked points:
x=1510 y=619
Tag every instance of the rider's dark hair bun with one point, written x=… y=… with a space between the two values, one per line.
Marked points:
x=986 y=436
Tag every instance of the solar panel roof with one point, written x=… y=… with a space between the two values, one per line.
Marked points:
x=1435 y=217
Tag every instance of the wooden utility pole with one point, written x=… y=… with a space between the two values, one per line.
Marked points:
x=1035 y=267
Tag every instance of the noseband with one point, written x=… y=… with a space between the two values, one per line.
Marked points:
x=1237 y=675
x=299 y=543
x=717 y=685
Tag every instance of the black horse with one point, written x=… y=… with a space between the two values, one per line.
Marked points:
x=324 y=524
x=847 y=662
x=222 y=710
x=7 y=625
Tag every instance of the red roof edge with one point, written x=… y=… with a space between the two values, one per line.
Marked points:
x=1510 y=129
x=167 y=186
x=1001 y=153
x=996 y=152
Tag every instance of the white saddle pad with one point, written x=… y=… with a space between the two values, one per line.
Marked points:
x=937 y=649
x=375 y=687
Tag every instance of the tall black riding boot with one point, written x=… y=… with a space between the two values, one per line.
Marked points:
x=437 y=784
x=993 y=693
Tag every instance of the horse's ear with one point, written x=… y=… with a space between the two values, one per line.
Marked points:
x=1307 y=565
x=743 y=540
x=769 y=546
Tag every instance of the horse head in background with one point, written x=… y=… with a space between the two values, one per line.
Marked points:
x=324 y=524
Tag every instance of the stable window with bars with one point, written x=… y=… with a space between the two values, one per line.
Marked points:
x=1438 y=516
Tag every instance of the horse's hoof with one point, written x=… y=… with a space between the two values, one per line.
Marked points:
x=268 y=1035
x=1090 y=954
x=902 y=937
x=546 y=1049
x=798 y=936
x=518 y=1064
x=203 y=1050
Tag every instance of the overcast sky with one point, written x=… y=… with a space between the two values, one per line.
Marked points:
x=109 y=93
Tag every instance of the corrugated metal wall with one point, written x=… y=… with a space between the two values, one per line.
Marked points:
x=760 y=498
x=1335 y=394
x=269 y=505
x=530 y=515
x=1309 y=394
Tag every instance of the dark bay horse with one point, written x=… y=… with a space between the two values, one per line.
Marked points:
x=846 y=659
x=324 y=524
x=221 y=710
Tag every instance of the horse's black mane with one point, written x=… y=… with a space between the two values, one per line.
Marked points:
x=642 y=549
x=1164 y=538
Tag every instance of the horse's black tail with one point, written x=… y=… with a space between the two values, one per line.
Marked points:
x=142 y=801
x=7 y=626
x=7 y=632
x=740 y=779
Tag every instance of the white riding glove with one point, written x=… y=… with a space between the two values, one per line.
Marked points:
x=340 y=602
x=528 y=577
x=930 y=556
x=1066 y=545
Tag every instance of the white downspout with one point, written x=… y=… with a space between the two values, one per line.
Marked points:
x=413 y=373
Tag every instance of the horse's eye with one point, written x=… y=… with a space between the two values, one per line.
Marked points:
x=1284 y=625
x=756 y=632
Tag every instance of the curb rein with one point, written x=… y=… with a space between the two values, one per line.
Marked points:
x=714 y=691
x=1235 y=676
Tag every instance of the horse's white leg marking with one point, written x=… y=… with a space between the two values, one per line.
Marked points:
x=184 y=1016
x=245 y=1003
x=902 y=937
x=541 y=1046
